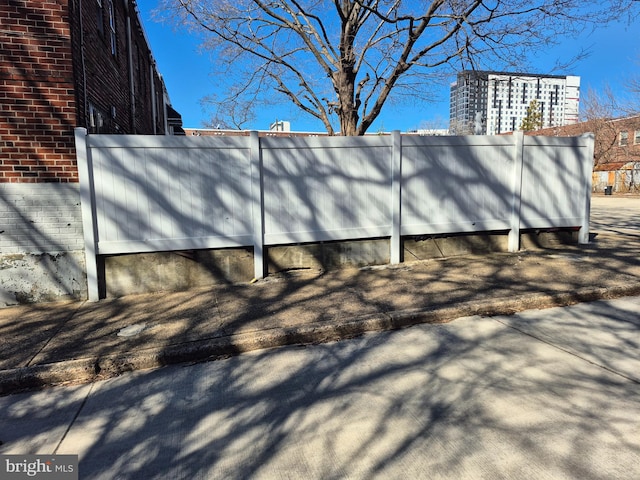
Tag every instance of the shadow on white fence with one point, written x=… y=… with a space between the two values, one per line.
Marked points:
x=165 y=193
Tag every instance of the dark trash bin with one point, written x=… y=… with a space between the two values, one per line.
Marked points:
x=608 y=190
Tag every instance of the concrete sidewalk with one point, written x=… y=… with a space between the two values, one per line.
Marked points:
x=542 y=394
x=50 y=344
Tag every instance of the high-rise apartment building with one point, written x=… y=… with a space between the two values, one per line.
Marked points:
x=490 y=103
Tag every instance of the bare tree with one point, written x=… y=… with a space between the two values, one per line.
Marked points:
x=460 y=127
x=606 y=104
x=607 y=115
x=436 y=124
x=231 y=113
x=341 y=61
x=632 y=105
x=597 y=111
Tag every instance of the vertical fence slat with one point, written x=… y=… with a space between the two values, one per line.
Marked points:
x=587 y=168
x=257 y=205
x=87 y=205
x=518 y=156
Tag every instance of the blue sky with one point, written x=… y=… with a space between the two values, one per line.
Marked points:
x=614 y=57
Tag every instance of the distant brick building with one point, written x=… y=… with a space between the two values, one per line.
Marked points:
x=616 y=140
x=64 y=64
x=616 y=160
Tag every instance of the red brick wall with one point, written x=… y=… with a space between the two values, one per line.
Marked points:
x=142 y=65
x=47 y=58
x=109 y=88
x=37 y=101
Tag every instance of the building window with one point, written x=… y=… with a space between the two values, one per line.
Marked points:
x=96 y=119
x=112 y=27
x=100 y=17
x=624 y=138
x=636 y=139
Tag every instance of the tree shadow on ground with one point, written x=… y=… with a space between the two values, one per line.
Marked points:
x=437 y=400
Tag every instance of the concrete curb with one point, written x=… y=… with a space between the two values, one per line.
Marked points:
x=99 y=368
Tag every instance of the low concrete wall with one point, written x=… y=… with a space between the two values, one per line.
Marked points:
x=541 y=239
x=44 y=277
x=176 y=271
x=422 y=248
x=328 y=255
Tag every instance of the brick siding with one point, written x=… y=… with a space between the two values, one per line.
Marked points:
x=58 y=72
x=37 y=101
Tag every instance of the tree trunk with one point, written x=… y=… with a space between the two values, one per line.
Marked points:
x=349 y=123
x=344 y=83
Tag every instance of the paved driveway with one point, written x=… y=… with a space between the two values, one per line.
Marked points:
x=616 y=214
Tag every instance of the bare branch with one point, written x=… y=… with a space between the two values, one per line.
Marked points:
x=342 y=61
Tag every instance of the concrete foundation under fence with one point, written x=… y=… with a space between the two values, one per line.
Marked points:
x=328 y=255
x=177 y=271
x=535 y=239
x=33 y=277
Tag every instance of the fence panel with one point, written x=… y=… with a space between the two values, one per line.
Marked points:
x=456 y=184
x=155 y=194
x=319 y=189
x=556 y=180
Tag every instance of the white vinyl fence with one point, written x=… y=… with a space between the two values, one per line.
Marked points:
x=164 y=193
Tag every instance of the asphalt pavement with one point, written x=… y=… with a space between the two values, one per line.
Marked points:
x=78 y=342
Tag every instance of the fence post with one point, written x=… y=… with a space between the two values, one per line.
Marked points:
x=257 y=205
x=587 y=168
x=396 y=197
x=87 y=206
x=518 y=157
